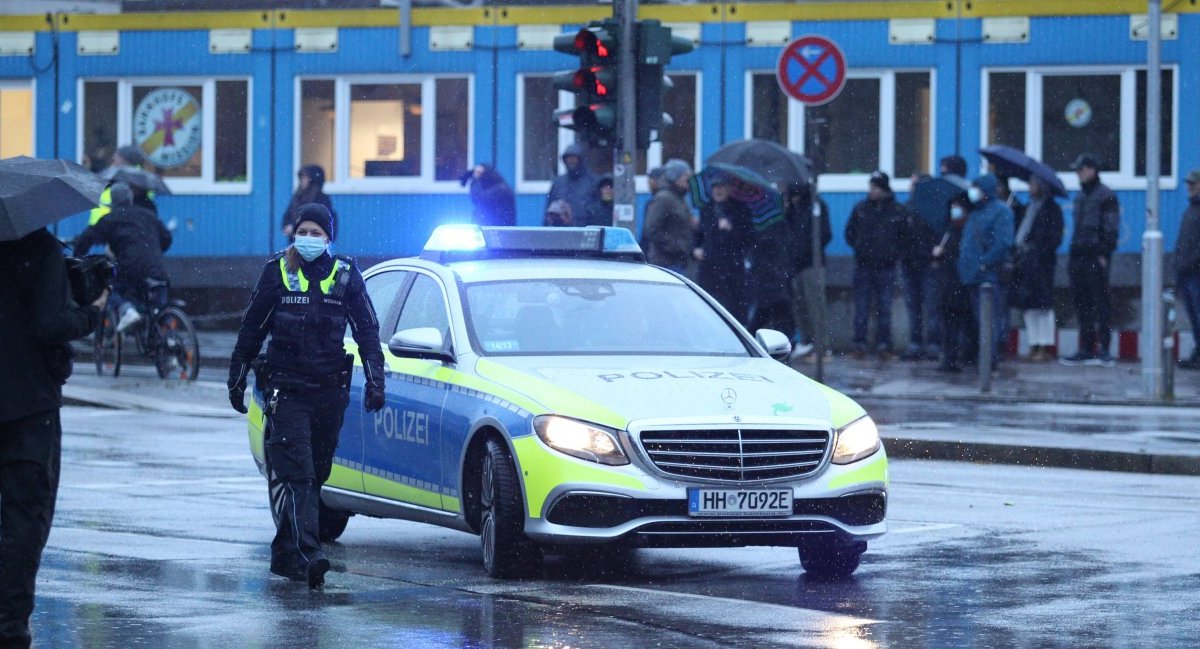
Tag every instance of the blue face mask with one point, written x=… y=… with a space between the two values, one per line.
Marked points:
x=957 y=213
x=310 y=247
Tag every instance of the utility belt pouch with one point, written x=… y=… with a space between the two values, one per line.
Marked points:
x=262 y=372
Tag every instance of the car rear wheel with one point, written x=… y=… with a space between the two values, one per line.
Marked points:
x=331 y=523
x=507 y=552
x=829 y=562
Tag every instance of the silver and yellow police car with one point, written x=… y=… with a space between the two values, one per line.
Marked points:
x=549 y=389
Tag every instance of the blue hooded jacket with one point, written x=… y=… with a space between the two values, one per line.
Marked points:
x=987 y=237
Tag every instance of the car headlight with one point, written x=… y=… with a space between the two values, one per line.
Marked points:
x=580 y=440
x=856 y=440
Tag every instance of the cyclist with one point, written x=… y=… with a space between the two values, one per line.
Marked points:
x=126 y=156
x=138 y=240
x=304 y=299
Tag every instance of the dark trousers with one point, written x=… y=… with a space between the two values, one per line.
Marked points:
x=873 y=291
x=958 y=323
x=1089 y=293
x=304 y=427
x=30 y=450
x=921 y=301
x=1188 y=286
x=725 y=280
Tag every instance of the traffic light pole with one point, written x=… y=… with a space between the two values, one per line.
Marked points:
x=1152 y=238
x=624 y=154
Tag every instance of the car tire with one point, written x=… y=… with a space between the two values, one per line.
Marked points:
x=507 y=552
x=331 y=523
x=831 y=562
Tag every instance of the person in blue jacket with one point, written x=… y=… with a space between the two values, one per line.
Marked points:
x=987 y=241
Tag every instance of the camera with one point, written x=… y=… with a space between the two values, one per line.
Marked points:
x=89 y=276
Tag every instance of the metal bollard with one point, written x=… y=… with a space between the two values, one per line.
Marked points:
x=987 y=346
x=1168 y=344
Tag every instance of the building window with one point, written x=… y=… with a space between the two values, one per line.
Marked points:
x=385 y=133
x=316 y=145
x=174 y=123
x=16 y=119
x=541 y=140
x=880 y=120
x=1099 y=111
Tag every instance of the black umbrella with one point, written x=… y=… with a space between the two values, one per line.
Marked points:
x=35 y=193
x=1014 y=163
x=768 y=159
x=931 y=197
x=760 y=196
x=137 y=178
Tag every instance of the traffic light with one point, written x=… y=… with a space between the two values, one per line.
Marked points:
x=594 y=83
x=655 y=48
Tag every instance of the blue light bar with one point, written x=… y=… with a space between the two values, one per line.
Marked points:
x=459 y=242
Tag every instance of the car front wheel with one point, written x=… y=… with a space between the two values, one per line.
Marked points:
x=829 y=562
x=507 y=552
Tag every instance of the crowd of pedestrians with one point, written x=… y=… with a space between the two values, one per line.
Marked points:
x=980 y=244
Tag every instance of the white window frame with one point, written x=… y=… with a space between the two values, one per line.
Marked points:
x=566 y=100
x=206 y=183
x=1121 y=178
x=422 y=184
x=31 y=86
x=857 y=183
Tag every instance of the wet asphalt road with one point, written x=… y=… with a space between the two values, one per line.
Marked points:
x=162 y=531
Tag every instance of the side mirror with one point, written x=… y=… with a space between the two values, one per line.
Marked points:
x=422 y=342
x=776 y=343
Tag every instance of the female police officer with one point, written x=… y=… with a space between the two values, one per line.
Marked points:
x=304 y=299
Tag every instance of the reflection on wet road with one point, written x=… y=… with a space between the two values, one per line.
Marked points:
x=162 y=532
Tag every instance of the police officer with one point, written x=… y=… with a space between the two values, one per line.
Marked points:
x=304 y=299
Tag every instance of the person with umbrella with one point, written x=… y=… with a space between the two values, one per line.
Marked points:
x=801 y=204
x=37 y=322
x=954 y=302
x=875 y=227
x=138 y=240
x=724 y=239
x=1038 y=236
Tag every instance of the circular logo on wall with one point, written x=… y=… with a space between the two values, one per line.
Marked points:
x=166 y=125
x=1078 y=113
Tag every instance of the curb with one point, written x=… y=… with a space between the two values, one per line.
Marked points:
x=1042 y=456
x=1133 y=402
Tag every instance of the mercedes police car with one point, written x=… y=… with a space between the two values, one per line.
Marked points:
x=547 y=388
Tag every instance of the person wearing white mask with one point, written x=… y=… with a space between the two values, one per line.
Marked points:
x=954 y=300
x=304 y=299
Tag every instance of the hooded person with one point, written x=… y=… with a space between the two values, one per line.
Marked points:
x=492 y=198
x=138 y=240
x=668 y=229
x=987 y=241
x=310 y=188
x=559 y=214
x=577 y=186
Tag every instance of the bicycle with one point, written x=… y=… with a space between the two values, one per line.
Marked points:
x=165 y=334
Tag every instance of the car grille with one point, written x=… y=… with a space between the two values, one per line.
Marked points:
x=743 y=455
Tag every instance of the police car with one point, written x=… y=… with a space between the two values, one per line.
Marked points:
x=547 y=388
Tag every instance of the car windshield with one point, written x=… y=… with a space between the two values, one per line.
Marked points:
x=586 y=316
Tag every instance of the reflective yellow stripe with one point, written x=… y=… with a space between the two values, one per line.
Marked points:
x=101 y=210
x=385 y=488
x=542 y=470
x=345 y=478
x=873 y=470
x=287 y=277
x=327 y=283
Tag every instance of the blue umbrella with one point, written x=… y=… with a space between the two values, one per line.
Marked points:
x=1014 y=163
x=931 y=197
x=764 y=201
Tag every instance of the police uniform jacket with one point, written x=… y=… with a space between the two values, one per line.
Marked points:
x=306 y=314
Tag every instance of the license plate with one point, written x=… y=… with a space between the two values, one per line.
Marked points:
x=739 y=502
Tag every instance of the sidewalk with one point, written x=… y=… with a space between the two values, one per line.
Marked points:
x=923 y=413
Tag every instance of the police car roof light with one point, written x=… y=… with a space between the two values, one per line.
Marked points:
x=466 y=242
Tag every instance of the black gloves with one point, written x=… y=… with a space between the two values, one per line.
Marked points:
x=466 y=177
x=237 y=399
x=373 y=399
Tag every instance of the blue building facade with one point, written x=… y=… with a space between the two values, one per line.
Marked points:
x=396 y=113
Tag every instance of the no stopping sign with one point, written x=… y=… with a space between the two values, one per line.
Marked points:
x=811 y=70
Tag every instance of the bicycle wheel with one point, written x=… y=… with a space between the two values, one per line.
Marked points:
x=107 y=345
x=177 y=354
